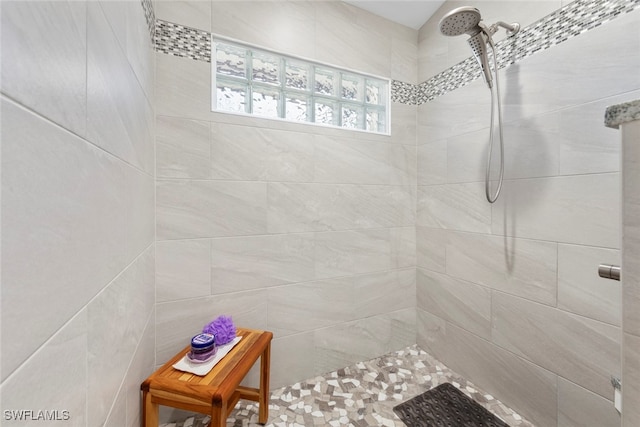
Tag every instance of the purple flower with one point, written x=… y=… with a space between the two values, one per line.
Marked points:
x=222 y=327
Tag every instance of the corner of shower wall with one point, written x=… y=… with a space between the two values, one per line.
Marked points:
x=497 y=286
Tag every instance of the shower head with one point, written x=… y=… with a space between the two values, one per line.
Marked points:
x=466 y=20
x=460 y=21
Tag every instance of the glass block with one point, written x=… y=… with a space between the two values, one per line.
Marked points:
x=351 y=87
x=265 y=102
x=326 y=112
x=374 y=92
x=231 y=60
x=297 y=75
x=231 y=97
x=375 y=120
x=266 y=68
x=352 y=117
x=296 y=108
x=326 y=81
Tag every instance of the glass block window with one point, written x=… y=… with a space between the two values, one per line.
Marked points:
x=254 y=81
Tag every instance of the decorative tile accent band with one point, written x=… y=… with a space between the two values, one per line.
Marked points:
x=557 y=27
x=572 y=20
x=178 y=40
x=150 y=17
x=403 y=93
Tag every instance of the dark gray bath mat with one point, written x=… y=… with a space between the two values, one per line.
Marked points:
x=445 y=406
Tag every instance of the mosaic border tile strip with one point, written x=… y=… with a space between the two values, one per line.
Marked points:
x=559 y=26
x=360 y=395
x=567 y=22
x=179 y=40
x=403 y=93
x=150 y=17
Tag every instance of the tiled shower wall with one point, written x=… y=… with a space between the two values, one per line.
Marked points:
x=508 y=294
x=303 y=230
x=78 y=325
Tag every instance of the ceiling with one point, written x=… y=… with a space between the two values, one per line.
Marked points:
x=412 y=14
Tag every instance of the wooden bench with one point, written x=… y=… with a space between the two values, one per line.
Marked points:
x=217 y=393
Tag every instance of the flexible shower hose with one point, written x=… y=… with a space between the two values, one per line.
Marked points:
x=491 y=198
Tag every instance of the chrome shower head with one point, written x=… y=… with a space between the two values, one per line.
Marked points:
x=460 y=21
x=466 y=20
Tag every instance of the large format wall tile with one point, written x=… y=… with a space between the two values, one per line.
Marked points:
x=581 y=290
x=431 y=246
x=314 y=305
x=63 y=228
x=631 y=228
x=322 y=207
x=119 y=116
x=183 y=269
x=514 y=381
x=344 y=344
x=461 y=111
x=253 y=153
x=61 y=364
x=116 y=320
x=140 y=197
x=287 y=28
x=404 y=62
x=403 y=165
x=192 y=209
x=403 y=123
x=432 y=162
x=295 y=354
x=241 y=263
x=526 y=268
x=44 y=59
x=349 y=38
x=379 y=293
x=567 y=74
x=309 y=306
x=349 y=161
x=346 y=253
x=403 y=247
x=462 y=303
x=579 y=349
x=183 y=87
x=582 y=209
x=191 y=13
x=587 y=146
x=580 y=407
x=631 y=380
x=183 y=148
x=140 y=46
x=460 y=207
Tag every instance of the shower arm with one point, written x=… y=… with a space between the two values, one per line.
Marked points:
x=512 y=29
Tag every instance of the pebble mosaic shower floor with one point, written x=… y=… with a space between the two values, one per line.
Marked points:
x=360 y=395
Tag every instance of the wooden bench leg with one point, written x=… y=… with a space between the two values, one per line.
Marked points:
x=149 y=411
x=218 y=414
x=263 y=398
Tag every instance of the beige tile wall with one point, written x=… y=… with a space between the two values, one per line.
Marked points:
x=78 y=325
x=630 y=134
x=303 y=230
x=535 y=251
